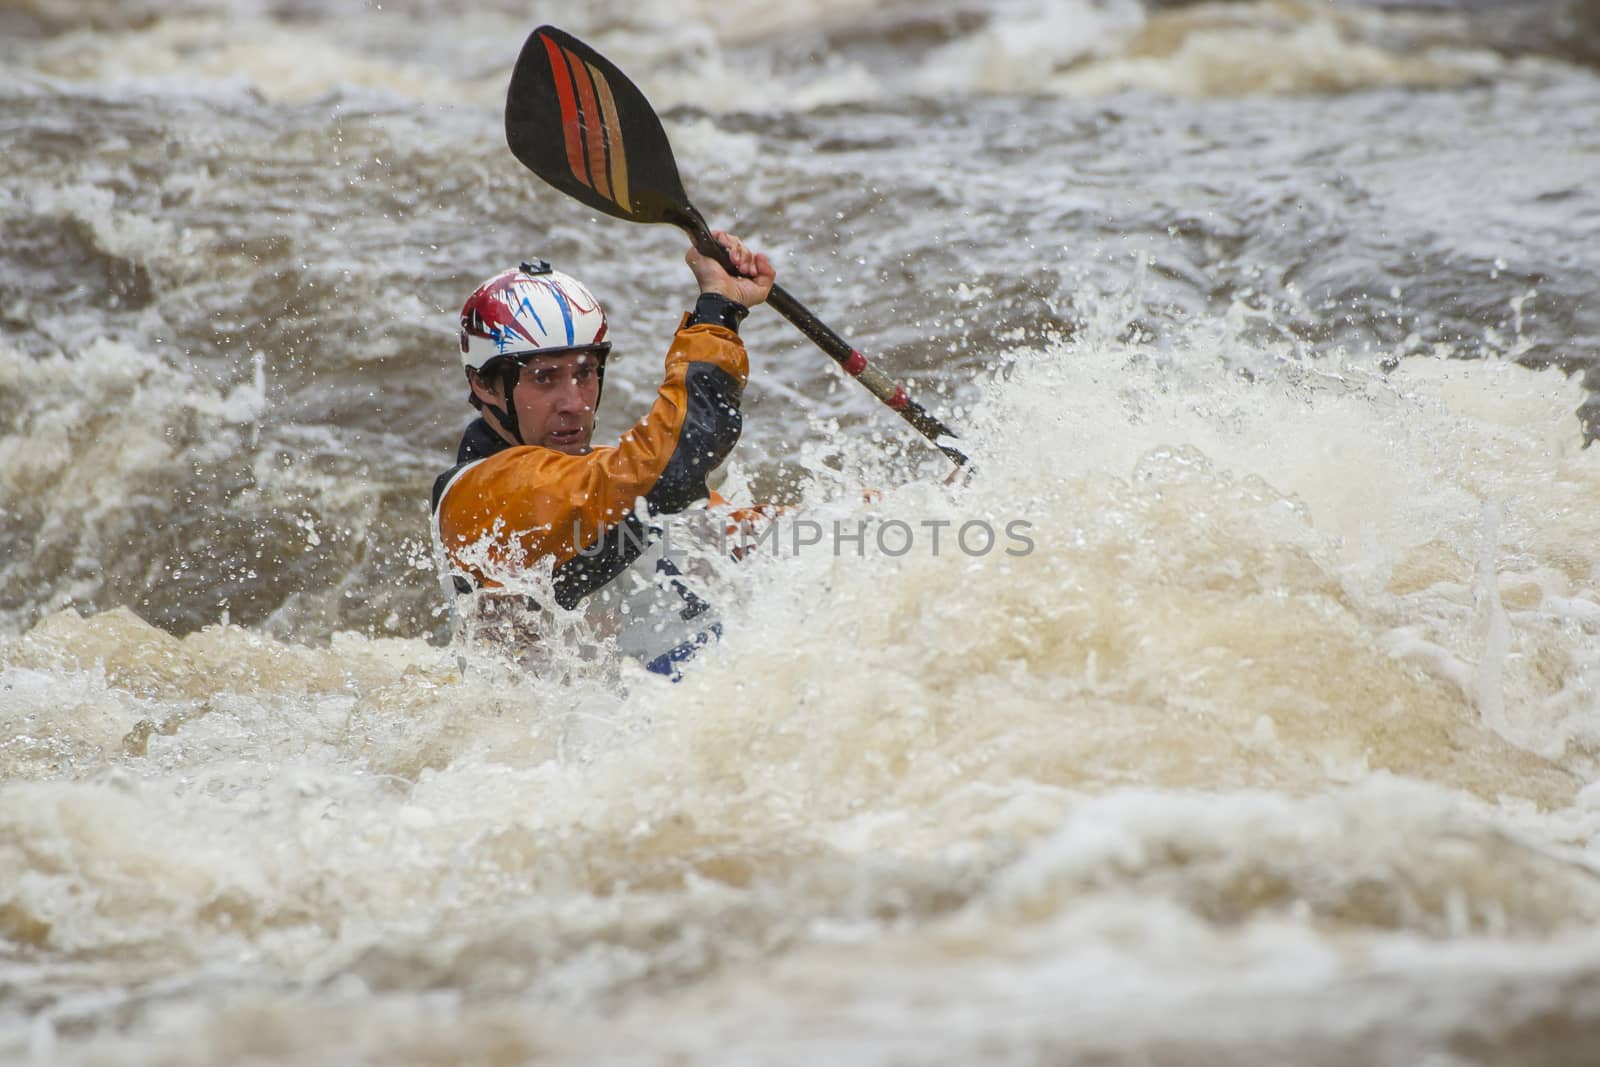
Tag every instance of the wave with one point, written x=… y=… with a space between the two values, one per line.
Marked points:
x=1299 y=665
x=822 y=53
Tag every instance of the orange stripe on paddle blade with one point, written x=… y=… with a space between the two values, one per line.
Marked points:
x=593 y=138
x=570 y=124
x=614 y=145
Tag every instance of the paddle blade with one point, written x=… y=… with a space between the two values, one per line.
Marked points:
x=576 y=121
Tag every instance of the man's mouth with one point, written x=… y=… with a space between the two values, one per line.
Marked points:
x=566 y=437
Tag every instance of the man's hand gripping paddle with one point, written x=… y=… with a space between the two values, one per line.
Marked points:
x=576 y=121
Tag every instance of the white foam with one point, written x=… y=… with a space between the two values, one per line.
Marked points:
x=697 y=52
x=1195 y=706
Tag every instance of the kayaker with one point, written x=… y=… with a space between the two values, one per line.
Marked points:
x=530 y=490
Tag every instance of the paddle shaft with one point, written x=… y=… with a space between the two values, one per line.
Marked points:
x=850 y=360
x=855 y=364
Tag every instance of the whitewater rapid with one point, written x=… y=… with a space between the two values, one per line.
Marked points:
x=1269 y=326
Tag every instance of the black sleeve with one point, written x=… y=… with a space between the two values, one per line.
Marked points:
x=717 y=310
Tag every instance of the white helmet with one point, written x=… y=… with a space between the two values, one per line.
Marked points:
x=532 y=310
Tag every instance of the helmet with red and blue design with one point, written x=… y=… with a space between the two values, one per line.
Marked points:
x=527 y=312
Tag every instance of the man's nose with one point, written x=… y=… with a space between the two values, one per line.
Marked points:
x=570 y=396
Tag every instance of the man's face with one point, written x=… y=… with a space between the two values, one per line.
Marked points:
x=555 y=398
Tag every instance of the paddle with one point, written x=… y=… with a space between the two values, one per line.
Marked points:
x=576 y=121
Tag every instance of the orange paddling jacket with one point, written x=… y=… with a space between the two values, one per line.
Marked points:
x=503 y=508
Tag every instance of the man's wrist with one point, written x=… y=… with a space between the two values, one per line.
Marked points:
x=717 y=310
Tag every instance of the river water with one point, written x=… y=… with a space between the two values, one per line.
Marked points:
x=1267 y=731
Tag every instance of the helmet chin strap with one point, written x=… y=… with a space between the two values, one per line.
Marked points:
x=507 y=415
